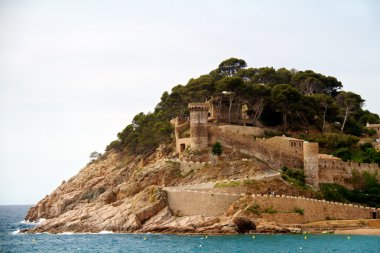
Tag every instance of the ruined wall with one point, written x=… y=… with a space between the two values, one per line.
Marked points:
x=222 y=114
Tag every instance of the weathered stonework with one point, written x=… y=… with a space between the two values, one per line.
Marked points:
x=195 y=133
x=311 y=162
x=375 y=127
x=198 y=125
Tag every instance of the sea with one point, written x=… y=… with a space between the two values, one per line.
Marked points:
x=11 y=240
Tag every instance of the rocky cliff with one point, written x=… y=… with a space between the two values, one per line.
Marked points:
x=121 y=193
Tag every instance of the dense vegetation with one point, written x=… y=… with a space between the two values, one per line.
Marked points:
x=367 y=190
x=288 y=99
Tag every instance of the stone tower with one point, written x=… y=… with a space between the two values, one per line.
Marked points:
x=198 y=125
x=311 y=162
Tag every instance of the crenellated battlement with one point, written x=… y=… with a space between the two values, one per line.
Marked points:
x=199 y=106
x=348 y=166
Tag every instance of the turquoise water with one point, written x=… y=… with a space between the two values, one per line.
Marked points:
x=11 y=216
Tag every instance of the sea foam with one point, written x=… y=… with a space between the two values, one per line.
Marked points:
x=16 y=232
x=104 y=232
x=33 y=223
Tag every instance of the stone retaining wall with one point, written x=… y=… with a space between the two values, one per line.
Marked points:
x=314 y=210
x=188 y=203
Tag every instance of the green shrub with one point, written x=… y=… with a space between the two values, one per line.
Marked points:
x=270 y=210
x=343 y=153
x=255 y=208
x=227 y=184
x=299 y=211
x=217 y=148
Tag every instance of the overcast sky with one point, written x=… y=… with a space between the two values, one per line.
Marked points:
x=74 y=73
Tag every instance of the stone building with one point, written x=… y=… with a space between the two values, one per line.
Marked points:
x=192 y=133
x=219 y=112
x=196 y=132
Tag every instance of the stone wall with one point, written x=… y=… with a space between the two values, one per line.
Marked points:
x=340 y=172
x=192 y=202
x=187 y=202
x=244 y=130
x=314 y=210
x=265 y=149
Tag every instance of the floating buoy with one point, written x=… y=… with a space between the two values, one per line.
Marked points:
x=305 y=237
x=206 y=236
x=200 y=245
x=253 y=237
x=348 y=237
x=300 y=247
x=144 y=238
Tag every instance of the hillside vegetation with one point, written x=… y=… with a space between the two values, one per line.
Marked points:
x=290 y=101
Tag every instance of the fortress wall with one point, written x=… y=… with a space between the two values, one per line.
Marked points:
x=199 y=203
x=186 y=141
x=181 y=128
x=285 y=146
x=244 y=130
x=314 y=210
x=261 y=149
x=189 y=202
x=332 y=171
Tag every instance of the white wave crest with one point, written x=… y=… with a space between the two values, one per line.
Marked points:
x=67 y=233
x=16 y=232
x=33 y=223
x=105 y=232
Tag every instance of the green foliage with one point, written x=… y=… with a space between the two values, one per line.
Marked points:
x=294 y=176
x=343 y=153
x=330 y=142
x=270 y=210
x=255 y=209
x=299 y=211
x=227 y=184
x=364 y=153
x=367 y=193
x=217 y=148
x=299 y=99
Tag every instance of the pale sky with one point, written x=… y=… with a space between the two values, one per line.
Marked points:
x=74 y=73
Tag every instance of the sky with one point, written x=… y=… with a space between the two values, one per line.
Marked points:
x=74 y=73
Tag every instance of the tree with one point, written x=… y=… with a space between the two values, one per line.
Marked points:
x=285 y=98
x=231 y=66
x=349 y=103
x=95 y=155
x=311 y=85
x=256 y=96
x=217 y=148
x=324 y=103
x=230 y=86
x=266 y=75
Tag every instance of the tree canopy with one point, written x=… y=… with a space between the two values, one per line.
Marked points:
x=296 y=100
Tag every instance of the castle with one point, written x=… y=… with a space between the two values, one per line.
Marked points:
x=199 y=130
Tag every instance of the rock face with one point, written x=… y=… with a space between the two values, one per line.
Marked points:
x=125 y=194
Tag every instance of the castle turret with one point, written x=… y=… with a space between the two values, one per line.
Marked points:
x=311 y=162
x=198 y=125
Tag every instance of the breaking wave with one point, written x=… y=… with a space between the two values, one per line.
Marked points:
x=33 y=223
